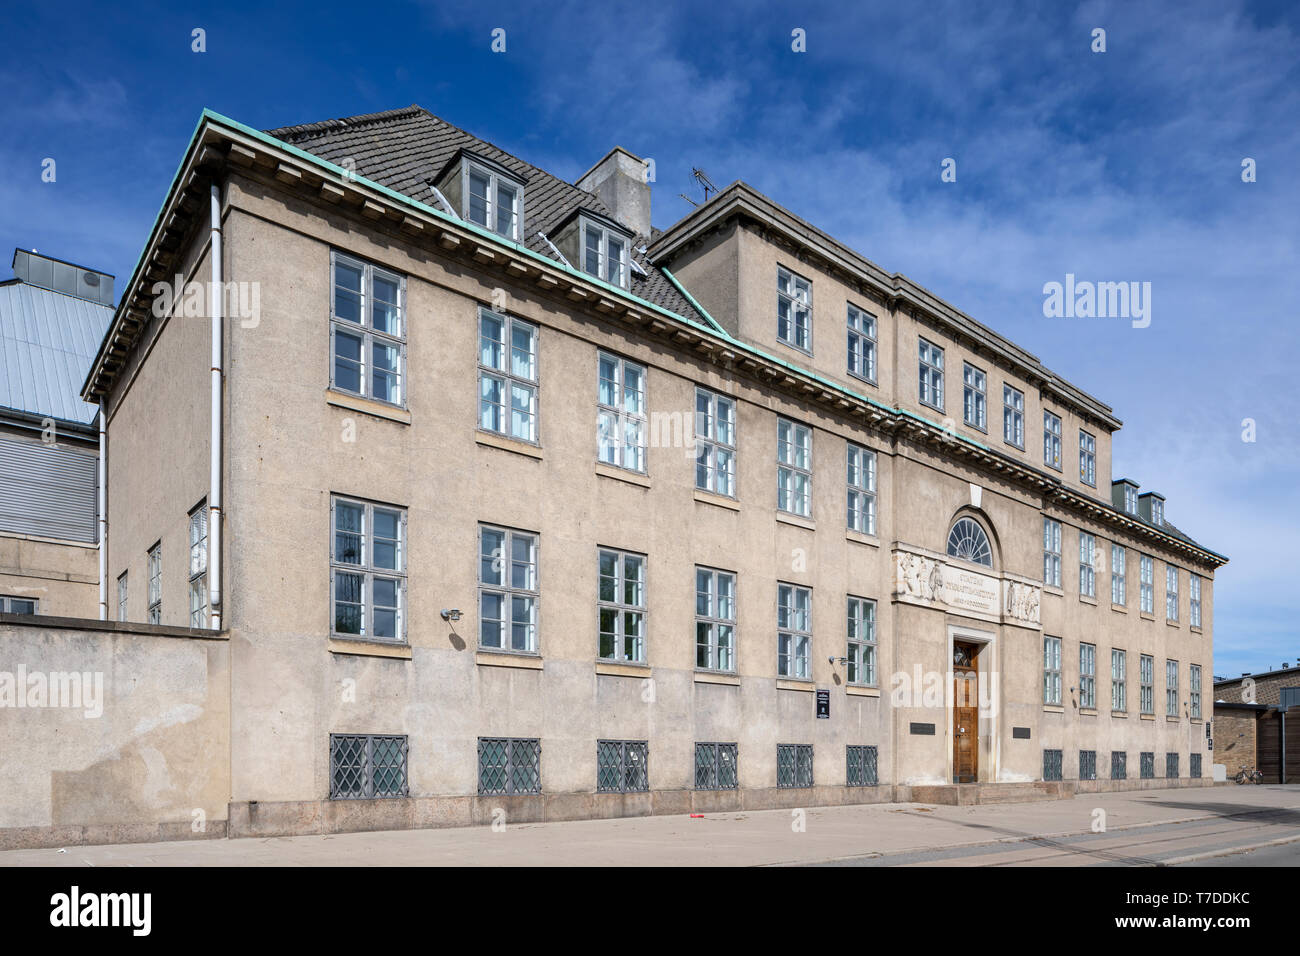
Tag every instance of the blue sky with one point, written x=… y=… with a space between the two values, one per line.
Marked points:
x=1121 y=166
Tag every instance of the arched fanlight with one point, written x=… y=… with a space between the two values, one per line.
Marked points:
x=968 y=541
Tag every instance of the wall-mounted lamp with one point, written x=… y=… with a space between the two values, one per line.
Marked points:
x=451 y=615
x=833 y=659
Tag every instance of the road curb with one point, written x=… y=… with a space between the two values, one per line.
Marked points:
x=1227 y=851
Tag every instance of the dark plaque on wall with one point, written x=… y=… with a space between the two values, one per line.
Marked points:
x=823 y=704
x=1020 y=733
x=923 y=729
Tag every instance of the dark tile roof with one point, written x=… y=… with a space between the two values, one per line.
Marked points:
x=407 y=148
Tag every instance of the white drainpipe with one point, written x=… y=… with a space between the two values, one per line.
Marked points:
x=101 y=471
x=214 y=480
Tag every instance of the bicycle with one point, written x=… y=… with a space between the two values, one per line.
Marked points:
x=1249 y=774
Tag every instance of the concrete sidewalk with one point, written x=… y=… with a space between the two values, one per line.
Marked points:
x=729 y=839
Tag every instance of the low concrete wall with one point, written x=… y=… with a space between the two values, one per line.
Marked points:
x=112 y=732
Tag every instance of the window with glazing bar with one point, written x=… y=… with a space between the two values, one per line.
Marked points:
x=621 y=606
x=507 y=376
x=155 y=584
x=715 y=443
x=794 y=468
x=1118 y=681
x=508 y=592
x=368 y=570
x=1194 y=690
x=1051 y=552
x=793 y=310
x=620 y=413
x=1147 y=684
x=1052 y=440
x=930 y=367
x=862 y=641
x=199 y=566
x=1052 y=671
x=1087 y=676
x=1171 y=688
x=1087 y=565
x=974 y=397
x=794 y=631
x=715 y=620
x=367 y=329
x=861 y=489
x=1087 y=458
x=1118 y=584
x=862 y=344
x=1147 y=583
x=121 y=596
x=1194 y=596
x=1013 y=416
x=1171 y=593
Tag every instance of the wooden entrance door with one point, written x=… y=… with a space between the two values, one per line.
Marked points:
x=965 y=713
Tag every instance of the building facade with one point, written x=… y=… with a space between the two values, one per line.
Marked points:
x=504 y=501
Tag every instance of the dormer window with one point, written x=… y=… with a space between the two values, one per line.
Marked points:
x=1157 y=511
x=604 y=253
x=597 y=246
x=1130 y=500
x=486 y=194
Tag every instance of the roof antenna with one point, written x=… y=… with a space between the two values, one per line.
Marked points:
x=706 y=184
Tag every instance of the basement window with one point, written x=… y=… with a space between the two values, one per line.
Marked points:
x=17 y=605
x=367 y=766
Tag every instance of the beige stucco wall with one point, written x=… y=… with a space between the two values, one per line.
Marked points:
x=290 y=444
x=146 y=758
x=62 y=575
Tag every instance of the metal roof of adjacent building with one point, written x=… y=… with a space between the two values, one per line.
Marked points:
x=47 y=342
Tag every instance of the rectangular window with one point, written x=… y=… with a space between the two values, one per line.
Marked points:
x=715 y=620
x=1171 y=688
x=794 y=765
x=1087 y=765
x=794 y=468
x=1194 y=595
x=1194 y=771
x=509 y=765
x=368 y=570
x=367 y=766
x=862 y=641
x=1157 y=511
x=1088 y=676
x=1052 y=671
x=507 y=591
x=493 y=201
x=1147 y=764
x=1171 y=766
x=794 y=631
x=1147 y=583
x=1118 y=764
x=715 y=766
x=861 y=769
x=1052 y=764
x=1118 y=584
x=931 y=374
x=1051 y=553
x=621 y=766
x=1118 y=681
x=1013 y=416
x=1130 y=500
x=715 y=443
x=155 y=584
x=1194 y=689
x=793 y=310
x=507 y=376
x=604 y=254
x=621 y=607
x=367 y=329
x=620 y=413
x=17 y=605
x=1087 y=458
x=1087 y=565
x=862 y=344
x=1171 y=592
x=1052 y=440
x=1147 y=684
x=199 y=566
x=121 y=596
x=974 y=397
x=861 y=489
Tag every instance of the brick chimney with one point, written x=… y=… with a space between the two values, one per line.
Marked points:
x=619 y=181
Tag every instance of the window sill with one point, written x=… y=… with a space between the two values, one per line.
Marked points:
x=1087 y=712
x=1145 y=616
x=797 y=520
x=1119 y=713
x=1053 y=589
x=717 y=677
x=1053 y=709
x=606 y=470
x=856 y=690
x=795 y=683
x=1172 y=623
x=530 y=662
x=367 y=406
x=1198 y=720
x=868 y=539
x=493 y=440
x=622 y=669
x=1148 y=716
x=1195 y=629
x=363 y=648
x=713 y=498
x=1172 y=720
x=1120 y=608
x=1088 y=600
